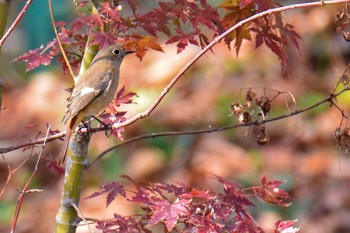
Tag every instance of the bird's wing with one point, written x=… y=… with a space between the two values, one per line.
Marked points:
x=83 y=95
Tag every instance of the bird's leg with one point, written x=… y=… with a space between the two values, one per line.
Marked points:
x=108 y=132
x=82 y=126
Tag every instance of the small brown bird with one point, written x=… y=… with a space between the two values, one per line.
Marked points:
x=94 y=90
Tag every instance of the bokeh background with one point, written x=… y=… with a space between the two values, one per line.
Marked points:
x=302 y=149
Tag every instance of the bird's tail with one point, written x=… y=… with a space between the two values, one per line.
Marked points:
x=72 y=124
x=63 y=153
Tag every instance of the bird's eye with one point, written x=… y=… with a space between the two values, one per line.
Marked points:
x=116 y=51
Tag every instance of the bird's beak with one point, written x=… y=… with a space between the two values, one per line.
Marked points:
x=129 y=52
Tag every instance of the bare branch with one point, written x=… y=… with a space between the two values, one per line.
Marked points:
x=25 y=189
x=329 y=99
x=14 y=24
x=31 y=143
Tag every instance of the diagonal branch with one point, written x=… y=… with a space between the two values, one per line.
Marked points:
x=211 y=45
x=14 y=24
x=329 y=99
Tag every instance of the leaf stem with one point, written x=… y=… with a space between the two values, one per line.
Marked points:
x=59 y=40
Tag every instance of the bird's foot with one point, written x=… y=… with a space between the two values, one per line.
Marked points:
x=108 y=130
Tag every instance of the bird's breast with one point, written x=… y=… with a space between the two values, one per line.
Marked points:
x=105 y=97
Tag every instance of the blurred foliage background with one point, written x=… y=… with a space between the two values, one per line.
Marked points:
x=301 y=150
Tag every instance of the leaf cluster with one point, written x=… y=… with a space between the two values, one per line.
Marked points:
x=180 y=208
x=179 y=21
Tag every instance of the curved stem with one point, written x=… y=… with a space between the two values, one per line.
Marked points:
x=211 y=45
x=59 y=40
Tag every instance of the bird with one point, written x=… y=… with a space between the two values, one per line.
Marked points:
x=94 y=90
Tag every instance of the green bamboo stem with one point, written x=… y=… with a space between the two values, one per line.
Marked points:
x=67 y=217
x=77 y=158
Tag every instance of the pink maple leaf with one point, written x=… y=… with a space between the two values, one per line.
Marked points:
x=34 y=58
x=113 y=189
x=169 y=212
x=183 y=39
x=286 y=226
x=270 y=192
x=123 y=98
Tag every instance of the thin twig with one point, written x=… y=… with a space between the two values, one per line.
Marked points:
x=59 y=40
x=25 y=189
x=82 y=217
x=12 y=171
x=7 y=179
x=14 y=24
x=31 y=143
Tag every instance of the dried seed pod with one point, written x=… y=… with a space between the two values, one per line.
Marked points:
x=342 y=138
x=237 y=109
x=264 y=103
x=250 y=96
x=244 y=117
x=263 y=137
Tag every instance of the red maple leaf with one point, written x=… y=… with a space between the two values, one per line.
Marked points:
x=286 y=226
x=269 y=37
x=103 y=39
x=183 y=39
x=270 y=192
x=34 y=58
x=113 y=189
x=289 y=34
x=169 y=212
x=236 y=14
x=123 y=98
x=204 y=224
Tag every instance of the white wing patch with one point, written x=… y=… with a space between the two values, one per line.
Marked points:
x=86 y=90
